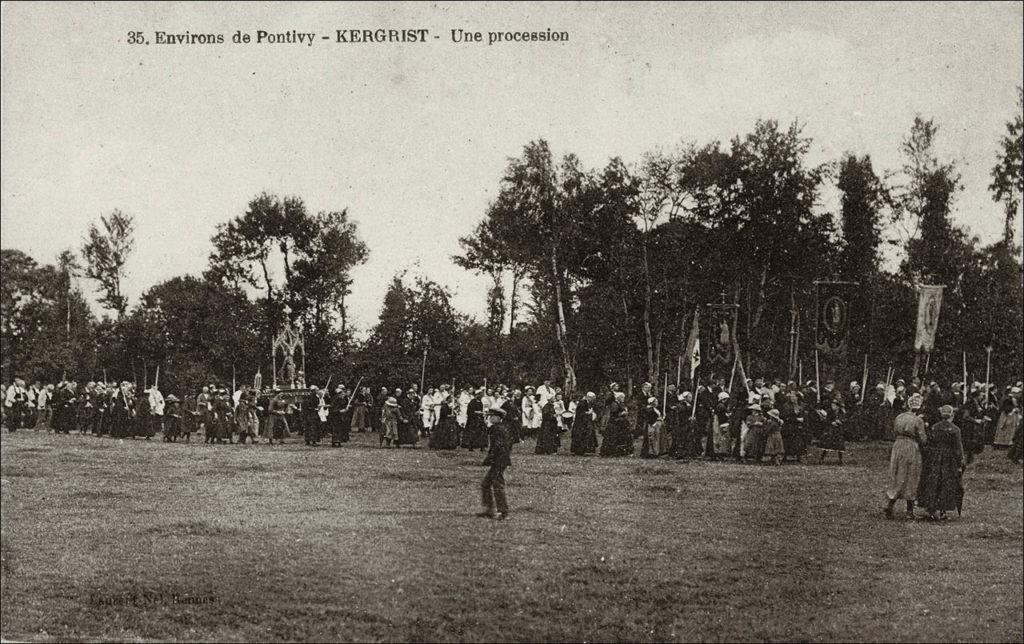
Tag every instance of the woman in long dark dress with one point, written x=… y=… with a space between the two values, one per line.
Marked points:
x=409 y=427
x=583 y=438
x=445 y=434
x=681 y=440
x=339 y=419
x=618 y=438
x=792 y=426
x=475 y=436
x=548 y=439
x=941 y=488
x=377 y=411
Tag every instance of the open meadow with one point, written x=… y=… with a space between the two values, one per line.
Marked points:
x=143 y=540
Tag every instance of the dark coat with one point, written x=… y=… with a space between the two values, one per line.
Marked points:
x=940 y=486
x=500 y=452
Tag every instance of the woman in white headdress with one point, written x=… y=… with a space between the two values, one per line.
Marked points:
x=905 y=458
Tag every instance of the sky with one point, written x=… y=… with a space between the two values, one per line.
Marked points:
x=413 y=138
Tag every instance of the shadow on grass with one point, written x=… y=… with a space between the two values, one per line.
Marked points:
x=20 y=471
x=664 y=489
x=100 y=495
x=654 y=470
x=196 y=528
x=413 y=476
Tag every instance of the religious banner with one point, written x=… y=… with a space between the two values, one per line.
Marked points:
x=929 y=301
x=832 y=329
x=717 y=349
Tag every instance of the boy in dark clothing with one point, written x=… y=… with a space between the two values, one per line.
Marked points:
x=498 y=458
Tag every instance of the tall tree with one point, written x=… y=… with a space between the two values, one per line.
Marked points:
x=196 y=330
x=35 y=339
x=927 y=200
x=543 y=200
x=106 y=250
x=1008 y=174
x=863 y=198
x=297 y=260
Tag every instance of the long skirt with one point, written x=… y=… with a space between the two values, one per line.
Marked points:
x=276 y=427
x=408 y=433
x=940 y=488
x=904 y=469
x=583 y=439
x=390 y=427
x=774 y=445
x=681 y=441
x=721 y=438
x=1005 y=428
x=793 y=440
x=475 y=434
x=172 y=428
x=548 y=439
x=618 y=439
x=445 y=435
x=340 y=424
x=313 y=430
x=754 y=442
x=359 y=419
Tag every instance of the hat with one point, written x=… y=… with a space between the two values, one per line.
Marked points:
x=754 y=407
x=496 y=411
x=946 y=411
x=722 y=395
x=915 y=401
x=774 y=413
x=171 y=398
x=391 y=402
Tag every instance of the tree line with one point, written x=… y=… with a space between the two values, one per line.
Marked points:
x=594 y=275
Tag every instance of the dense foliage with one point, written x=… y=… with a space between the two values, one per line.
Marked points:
x=595 y=275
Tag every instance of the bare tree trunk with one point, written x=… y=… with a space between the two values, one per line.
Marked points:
x=657 y=358
x=759 y=310
x=561 y=332
x=344 y=313
x=266 y=279
x=651 y=372
x=513 y=300
x=629 y=335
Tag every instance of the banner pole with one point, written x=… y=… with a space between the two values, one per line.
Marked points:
x=693 y=409
x=864 y=384
x=988 y=371
x=817 y=376
x=965 y=377
x=664 y=404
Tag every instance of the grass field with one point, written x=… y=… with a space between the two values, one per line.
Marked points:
x=137 y=540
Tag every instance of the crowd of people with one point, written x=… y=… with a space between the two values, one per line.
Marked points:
x=935 y=432
x=757 y=421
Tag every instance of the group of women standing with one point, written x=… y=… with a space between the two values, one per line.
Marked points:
x=926 y=463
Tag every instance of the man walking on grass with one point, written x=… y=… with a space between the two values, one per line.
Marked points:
x=498 y=458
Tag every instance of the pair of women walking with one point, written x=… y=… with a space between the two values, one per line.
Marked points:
x=926 y=463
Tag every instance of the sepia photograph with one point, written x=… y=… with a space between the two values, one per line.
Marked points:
x=511 y=322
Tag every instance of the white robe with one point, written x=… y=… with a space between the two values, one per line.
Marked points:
x=463 y=413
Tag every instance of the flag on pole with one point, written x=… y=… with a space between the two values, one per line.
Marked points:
x=929 y=301
x=693 y=343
